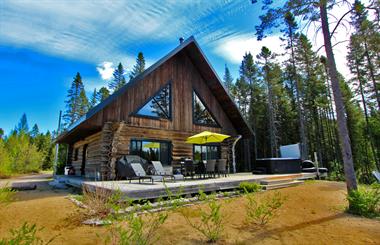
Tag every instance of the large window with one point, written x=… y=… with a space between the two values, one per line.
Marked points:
x=201 y=115
x=206 y=152
x=159 y=106
x=152 y=150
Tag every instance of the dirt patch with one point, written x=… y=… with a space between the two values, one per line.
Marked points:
x=313 y=213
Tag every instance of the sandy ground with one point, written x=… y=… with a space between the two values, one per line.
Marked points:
x=312 y=214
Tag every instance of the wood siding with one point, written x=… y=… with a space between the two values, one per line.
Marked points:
x=93 y=155
x=184 y=77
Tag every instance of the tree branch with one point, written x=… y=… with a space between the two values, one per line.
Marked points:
x=340 y=20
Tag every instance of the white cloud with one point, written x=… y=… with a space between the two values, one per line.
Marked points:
x=105 y=70
x=233 y=48
x=95 y=31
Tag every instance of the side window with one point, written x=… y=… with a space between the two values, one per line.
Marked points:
x=201 y=115
x=159 y=106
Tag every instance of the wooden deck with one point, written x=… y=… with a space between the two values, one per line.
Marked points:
x=146 y=190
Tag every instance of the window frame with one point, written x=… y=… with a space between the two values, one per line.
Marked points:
x=217 y=145
x=170 y=147
x=216 y=125
x=170 y=116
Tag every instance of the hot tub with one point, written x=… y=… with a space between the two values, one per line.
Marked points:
x=279 y=165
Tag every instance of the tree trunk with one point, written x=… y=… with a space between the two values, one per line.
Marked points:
x=349 y=171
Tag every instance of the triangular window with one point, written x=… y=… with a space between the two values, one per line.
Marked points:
x=201 y=115
x=159 y=106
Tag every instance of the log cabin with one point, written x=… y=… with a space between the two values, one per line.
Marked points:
x=178 y=96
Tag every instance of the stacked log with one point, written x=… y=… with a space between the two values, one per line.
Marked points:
x=105 y=150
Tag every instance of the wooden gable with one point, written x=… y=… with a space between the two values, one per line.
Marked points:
x=186 y=69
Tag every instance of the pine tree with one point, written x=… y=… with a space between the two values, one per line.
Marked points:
x=366 y=41
x=93 y=99
x=118 y=78
x=139 y=67
x=83 y=103
x=227 y=79
x=35 y=131
x=103 y=94
x=296 y=94
x=22 y=126
x=270 y=77
x=255 y=97
x=74 y=102
x=1 y=133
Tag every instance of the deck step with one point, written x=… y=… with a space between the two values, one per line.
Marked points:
x=282 y=185
x=276 y=181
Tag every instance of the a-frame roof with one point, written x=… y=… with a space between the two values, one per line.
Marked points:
x=194 y=52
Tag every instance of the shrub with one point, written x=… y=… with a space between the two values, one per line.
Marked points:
x=137 y=230
x=6 y=195
x=261 y=213
x=5 y=161
x=365 y=201
x=249 y=187
x=25 y=235
x=210 y=223
x=25 y=156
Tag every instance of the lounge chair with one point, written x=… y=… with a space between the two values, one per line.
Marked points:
x=221 y=165
x=377 y=175
x=159 y=170
x=141 y=174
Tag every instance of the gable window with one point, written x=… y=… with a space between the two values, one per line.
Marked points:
x=159 y=106
x=201 y=115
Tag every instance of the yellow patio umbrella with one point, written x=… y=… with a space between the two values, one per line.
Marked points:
x=206 y=137
x=152 y=145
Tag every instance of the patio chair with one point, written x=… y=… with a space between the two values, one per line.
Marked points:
x=210 y=167
x=377 y=175
x=141 y=174
x=189 y=168
x=159 y=170
x=221 y=167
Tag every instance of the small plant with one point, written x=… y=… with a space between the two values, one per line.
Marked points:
x=6 y=195
x=202 y=196
x=101 y=201
x=365 y=201
x=249 y=187
x=210 y=224
x=25 y=235
x=137 y=230
x=175 y=199
x=263 y=212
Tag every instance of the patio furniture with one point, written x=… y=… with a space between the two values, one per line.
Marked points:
x=159 y=170
x=124 y=169
x=210 y=167
x=200 y=169
x=221 y=167
x=188 y=168
x=141 y=174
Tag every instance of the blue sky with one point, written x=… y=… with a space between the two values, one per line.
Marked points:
x=44 y=43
